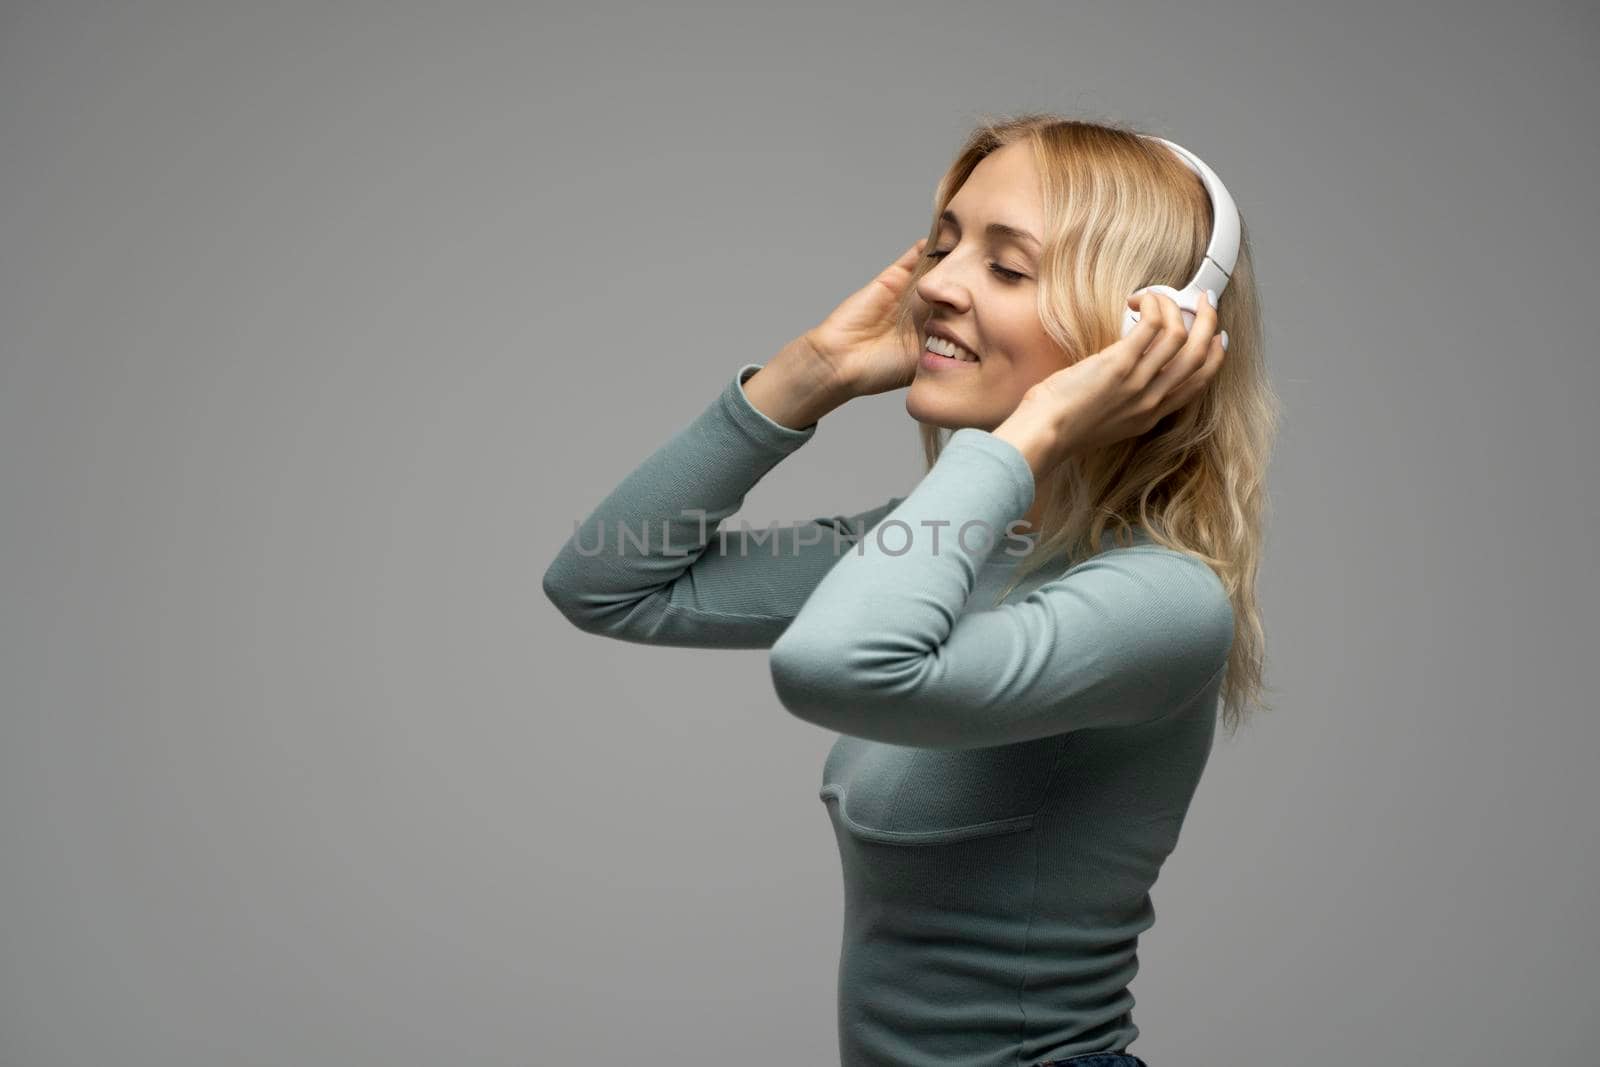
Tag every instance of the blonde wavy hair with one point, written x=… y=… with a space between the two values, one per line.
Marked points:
x=1123 y=212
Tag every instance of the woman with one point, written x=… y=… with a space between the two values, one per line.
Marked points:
x=1025 y=655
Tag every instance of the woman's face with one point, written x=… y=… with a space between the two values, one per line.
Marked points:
x=983 y=289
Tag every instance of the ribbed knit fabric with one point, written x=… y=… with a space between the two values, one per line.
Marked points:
x=1007 y=781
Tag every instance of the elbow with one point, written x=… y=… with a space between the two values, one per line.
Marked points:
x=559 y=595
x=839 y=684
x=566 y=596
x=809 y=678
x=828 y=683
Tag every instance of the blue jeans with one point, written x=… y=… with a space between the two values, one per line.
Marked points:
x=1096 y=1059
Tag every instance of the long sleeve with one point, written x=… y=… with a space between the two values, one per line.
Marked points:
x=884 y=650
x=651 y=564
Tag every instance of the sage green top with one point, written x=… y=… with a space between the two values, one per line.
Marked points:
x=1007 y=780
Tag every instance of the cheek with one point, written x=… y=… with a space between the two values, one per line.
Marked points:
x=1020 y=336
x=1031 y=357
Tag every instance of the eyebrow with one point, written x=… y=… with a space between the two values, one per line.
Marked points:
x=996 y=229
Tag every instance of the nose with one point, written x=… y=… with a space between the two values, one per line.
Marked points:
x=941 y=285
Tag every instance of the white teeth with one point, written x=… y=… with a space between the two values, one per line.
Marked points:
x=940 y=346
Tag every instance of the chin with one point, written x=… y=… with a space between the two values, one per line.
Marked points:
x=930 y=410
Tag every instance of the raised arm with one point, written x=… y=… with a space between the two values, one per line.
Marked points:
x=882 y=649
x=651 y=564
x=694 y=586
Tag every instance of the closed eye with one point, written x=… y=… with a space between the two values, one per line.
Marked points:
x=1008 y=275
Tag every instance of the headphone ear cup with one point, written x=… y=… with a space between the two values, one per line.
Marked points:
x=1130 y=321
x=1186 y=299
x=1188 y=302
x=1130 y=317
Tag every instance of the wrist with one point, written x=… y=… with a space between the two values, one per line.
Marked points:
x=1036 y=433
x=796 y=387
x=823 y=365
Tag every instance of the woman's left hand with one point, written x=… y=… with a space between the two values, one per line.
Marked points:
x=1124 y=389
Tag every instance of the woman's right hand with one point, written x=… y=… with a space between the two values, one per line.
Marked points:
x=858 y=341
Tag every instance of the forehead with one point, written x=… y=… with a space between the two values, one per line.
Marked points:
x=1003 y=187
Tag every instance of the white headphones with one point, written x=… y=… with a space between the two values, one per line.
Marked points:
x=1221 y=252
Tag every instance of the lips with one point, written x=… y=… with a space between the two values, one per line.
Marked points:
x=937 y=330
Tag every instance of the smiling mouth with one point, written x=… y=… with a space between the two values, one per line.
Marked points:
x=935 y=345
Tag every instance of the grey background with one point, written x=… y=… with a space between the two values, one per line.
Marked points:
x=322 y=323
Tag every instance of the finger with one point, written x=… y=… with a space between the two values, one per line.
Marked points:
x=1207 y=317
x=897 y=275
x=1201 y=379
x=1145 y=331
x=1191 y=357
x=1166 y=344
x=1213 y=327
x=1206 y=325
x=1205 y=321
x=1213 y=322
x=1177 y=371
x=1191 y=388
x=908 y=259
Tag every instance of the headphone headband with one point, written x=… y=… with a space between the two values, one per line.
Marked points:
x=1222 y=250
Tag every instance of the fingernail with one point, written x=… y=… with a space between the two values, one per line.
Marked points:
x=1224 y=340
x=1212 y=296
